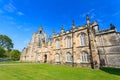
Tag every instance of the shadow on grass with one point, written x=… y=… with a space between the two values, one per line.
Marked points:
x=115 y=71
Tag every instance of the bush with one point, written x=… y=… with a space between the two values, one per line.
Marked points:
x=15 y=55
x=2 y=52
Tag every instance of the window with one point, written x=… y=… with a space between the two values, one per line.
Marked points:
x=57 y=58
x=68 y=57
x=57 y=44
x=68 y=42
x=82 y=39
x=84 y=57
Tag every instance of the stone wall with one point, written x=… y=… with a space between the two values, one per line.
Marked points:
x=109 y=48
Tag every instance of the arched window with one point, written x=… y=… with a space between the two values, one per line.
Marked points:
x=82 y=40
x=57 y=44
x=84 y=57
x=68 y=42
x=57 y=58
x=68 y=57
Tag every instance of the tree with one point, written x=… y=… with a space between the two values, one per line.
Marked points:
x=2 y=52
x=15 y=54
x=6 y=43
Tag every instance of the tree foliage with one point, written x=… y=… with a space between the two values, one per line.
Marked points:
x=6 y=46
x=2 y=51
x=6 y=42
x=15 y=54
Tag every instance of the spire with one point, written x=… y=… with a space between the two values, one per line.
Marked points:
x=62 y=29
x=53 y=32
x=87 y=19
x=41 y=29
x=73 y=24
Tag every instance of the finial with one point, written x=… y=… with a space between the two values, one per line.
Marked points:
x=53 y=32
x=88 y=19
x=73 y=24
x=62 y=27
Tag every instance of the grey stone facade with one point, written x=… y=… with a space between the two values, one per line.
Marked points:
x=109 y=47
x=88 y=47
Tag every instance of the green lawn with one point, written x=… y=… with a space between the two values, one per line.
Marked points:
x=31 y=71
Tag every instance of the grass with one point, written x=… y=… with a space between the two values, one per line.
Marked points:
x=31 y=71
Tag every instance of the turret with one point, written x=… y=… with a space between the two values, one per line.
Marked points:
x=95 y=26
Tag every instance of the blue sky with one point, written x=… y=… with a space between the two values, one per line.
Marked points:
x=19 y=19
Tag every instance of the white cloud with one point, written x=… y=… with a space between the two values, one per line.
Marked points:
x=99 y=20
x=10 y=7
x=83 y=15
x=1 y=0
x=9 y=17
x=12 y=22
x=27 y=29
x=92 y=15
x=11 y=1
x=15 y=36
x=19 y=27
x=117 y=13
x=20 y=13
x=90 y=12
x=1 y=11
x=26 y=41
x=23 y=27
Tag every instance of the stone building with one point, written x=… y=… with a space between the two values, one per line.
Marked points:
x=82 y=46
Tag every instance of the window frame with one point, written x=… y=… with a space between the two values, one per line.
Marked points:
x=84 y=57
x=57 y=57
x=57 y=44
x=68 y=42
x=82 y=39
x=68 y=57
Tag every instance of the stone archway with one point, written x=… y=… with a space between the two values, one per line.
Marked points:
x=45 y=58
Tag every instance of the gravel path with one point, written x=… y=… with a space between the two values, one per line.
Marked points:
x=14 y=64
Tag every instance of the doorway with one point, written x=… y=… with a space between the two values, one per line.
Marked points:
x=45 y=58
